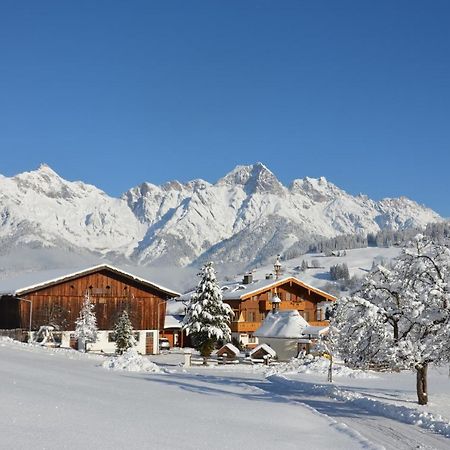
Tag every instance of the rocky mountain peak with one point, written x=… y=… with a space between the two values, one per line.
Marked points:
x=317 y=189
x=253 y=178
x=44 y=180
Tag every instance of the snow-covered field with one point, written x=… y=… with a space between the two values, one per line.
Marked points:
x=63 y=399
x=359 y=262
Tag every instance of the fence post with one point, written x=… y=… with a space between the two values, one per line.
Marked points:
x=187 y=359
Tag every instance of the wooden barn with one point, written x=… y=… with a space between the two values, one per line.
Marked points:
x=57 y=300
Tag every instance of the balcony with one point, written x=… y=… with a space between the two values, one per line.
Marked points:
x=319 y=323
x=244 y=327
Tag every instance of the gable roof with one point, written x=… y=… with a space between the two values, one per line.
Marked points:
x=264 y=347
x=230 y=348
x=173 y=321
x=239 y=291
x=24 y=284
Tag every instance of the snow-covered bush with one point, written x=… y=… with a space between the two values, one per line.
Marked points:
x=123 y=333
x=400 y=317
x=316 y=365
x=86 y=325
x=131 y=361
x=207 y=317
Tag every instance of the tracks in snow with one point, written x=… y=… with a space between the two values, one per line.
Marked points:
x=382 y=432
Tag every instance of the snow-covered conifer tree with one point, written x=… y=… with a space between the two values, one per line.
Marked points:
x=86 y=324
x=207 y=317
x=123 y=333
x=400 y=318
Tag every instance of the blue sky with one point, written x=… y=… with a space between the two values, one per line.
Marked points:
x=115 y=93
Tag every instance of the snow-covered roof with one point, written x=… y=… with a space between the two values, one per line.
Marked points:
x=230 y=347
x=282 y=324
x=173 y=321
x=175 y=307
x=25 y=283
x=315 y=330
x=269 y=350
x=240 y=291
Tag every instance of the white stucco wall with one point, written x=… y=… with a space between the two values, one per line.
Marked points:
x=285 y=348
x=104 y=345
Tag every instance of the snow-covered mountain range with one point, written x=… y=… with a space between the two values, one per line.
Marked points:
x=242 y=219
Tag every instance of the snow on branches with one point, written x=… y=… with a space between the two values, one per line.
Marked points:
x=400 y=317
x=123 y=334
x=207 y=317
x=86 y=324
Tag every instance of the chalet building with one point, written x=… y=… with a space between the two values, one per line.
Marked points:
x=55 y=299
x=252 y=301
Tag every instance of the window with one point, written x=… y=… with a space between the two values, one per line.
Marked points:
x=251 y=339
x=319 y=314
x=305 y=315
x=288 y=296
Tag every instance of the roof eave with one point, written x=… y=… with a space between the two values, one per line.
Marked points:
x=282 y=281
x=73 y=275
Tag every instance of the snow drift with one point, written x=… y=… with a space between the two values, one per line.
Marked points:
x=131 y=361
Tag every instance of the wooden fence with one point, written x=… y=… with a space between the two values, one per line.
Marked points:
x=17 y=334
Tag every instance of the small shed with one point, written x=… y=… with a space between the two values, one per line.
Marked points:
x=228 y=349
x=263 y=351
x=228 y=353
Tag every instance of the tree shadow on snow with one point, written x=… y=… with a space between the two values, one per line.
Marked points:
x=295 y=392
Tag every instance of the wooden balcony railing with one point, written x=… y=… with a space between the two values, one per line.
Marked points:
x=251 y=327
x=319 y=323
x=244 y=327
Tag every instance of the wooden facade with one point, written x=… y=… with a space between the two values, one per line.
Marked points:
x=176 y=337
x=58 y=302
x=251 y=308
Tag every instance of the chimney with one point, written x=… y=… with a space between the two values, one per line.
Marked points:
x=248 y=278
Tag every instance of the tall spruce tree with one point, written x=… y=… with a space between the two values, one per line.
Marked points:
x=86 y=325
x=207 y=317
x=123 y=333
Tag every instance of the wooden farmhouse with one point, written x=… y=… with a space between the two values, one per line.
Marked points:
x=251 y=302
x=55 y=299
